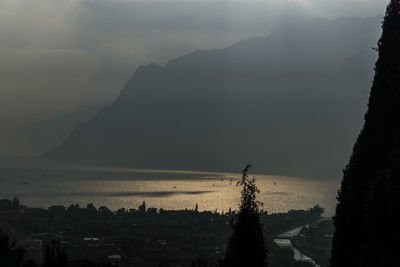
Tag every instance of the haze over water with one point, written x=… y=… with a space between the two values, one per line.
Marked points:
x=174 y=190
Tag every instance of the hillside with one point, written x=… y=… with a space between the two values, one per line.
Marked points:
x=291 y=103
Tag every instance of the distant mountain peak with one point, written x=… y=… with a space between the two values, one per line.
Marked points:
x=277 y=101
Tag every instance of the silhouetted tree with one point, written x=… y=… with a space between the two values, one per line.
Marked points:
x=55 y=256
x=365 y=199
x=142 y=208
x=381 y=217
x=15 y=203
x=10 y=256
x=247 y=246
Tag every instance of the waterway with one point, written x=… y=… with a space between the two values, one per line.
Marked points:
x=283 y=241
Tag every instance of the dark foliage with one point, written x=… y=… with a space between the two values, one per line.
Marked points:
x=247 y=246
x=382 y=199
x=368 y=199
x=10 y=255
x=87 y=263
x=55 y=256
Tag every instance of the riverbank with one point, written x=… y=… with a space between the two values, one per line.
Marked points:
x=310 y=243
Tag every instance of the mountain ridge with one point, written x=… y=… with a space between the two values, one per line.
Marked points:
x=194 y=112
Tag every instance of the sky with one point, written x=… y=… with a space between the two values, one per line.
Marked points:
x=60 y=55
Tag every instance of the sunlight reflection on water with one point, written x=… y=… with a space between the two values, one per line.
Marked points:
x=128 y=188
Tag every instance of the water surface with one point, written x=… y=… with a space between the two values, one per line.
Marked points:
x=128 y=188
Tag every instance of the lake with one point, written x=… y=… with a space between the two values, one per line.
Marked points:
x=127 y=188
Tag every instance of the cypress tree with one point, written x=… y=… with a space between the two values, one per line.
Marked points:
x=55 y=256
x=247 y=246
x=10 y=256
x=366 y=177
x=381 y=217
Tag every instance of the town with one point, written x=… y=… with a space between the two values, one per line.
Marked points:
x=142 y=236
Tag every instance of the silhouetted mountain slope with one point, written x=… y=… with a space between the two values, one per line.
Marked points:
x=291 y=103
x=46 y=134
x=39 y=137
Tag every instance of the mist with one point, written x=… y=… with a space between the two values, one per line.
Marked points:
x=65 y=56
x=199 y=133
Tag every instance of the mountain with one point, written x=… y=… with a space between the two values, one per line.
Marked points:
x=46 y=134
x=36 y=138
x=291 y=103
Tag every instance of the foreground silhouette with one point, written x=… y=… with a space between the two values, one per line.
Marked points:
x=366 y=232
x=11 y=256
x=247 y=246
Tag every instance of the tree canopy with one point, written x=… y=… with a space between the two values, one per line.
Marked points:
x=368 y=198
x=247 y=246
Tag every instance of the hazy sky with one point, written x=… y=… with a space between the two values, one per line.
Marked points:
x=57 y=55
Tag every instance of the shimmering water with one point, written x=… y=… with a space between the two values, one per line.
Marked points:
x=128 y=188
